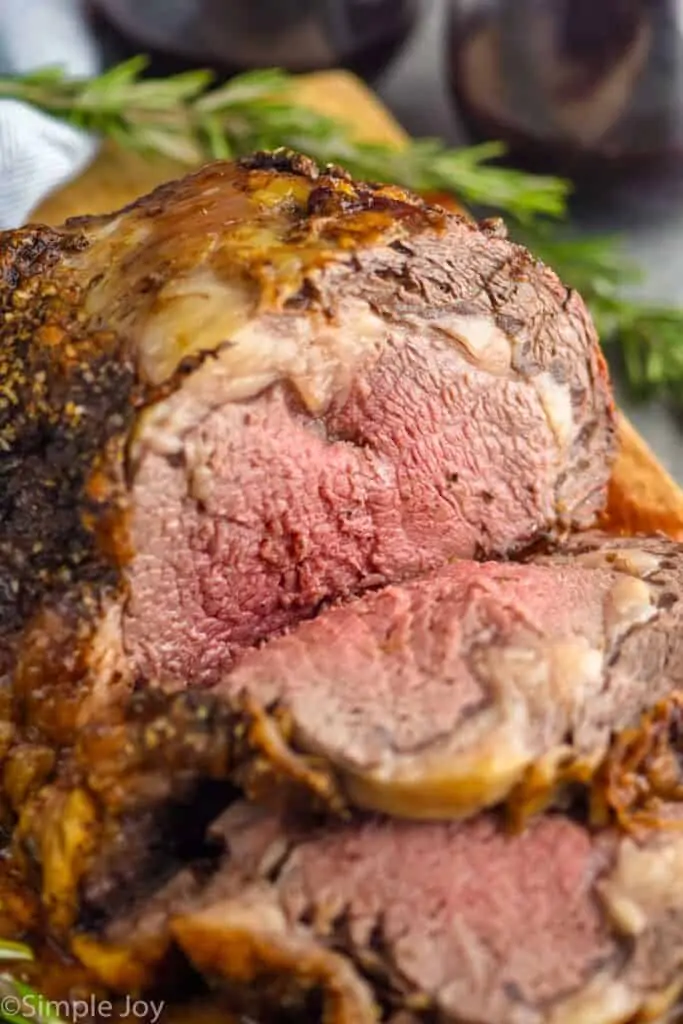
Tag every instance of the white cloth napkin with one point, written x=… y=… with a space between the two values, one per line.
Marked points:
x=38 y=153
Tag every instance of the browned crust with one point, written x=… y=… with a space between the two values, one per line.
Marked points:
x=154 y=749
x=642 y=773
x=278 y=967
x=67 y=394
x=324 y=208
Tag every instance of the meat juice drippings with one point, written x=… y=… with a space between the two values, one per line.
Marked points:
x=592 y=90
x=233 y=35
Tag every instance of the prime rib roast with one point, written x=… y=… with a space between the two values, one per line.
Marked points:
x=299 y=485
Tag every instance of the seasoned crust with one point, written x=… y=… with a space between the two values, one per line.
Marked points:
x=310 y=198
x=109 y=819
x=67 y=394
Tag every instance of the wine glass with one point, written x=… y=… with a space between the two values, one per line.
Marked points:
x=237 y=35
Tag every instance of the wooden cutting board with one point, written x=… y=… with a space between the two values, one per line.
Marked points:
x=643 y=497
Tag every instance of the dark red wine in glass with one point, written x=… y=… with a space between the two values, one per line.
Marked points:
x=591 y=89
x=230 y=36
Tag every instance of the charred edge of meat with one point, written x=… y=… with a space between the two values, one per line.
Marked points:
x=158 y=778
x=294 y=1003
x=183 y=763
x=494 y=227
x=642 y=770
x=30 y=251
x=559 y=780
x=287 y=161
x=164 y=739
x=135 y=795
x=50 y=673
x=67 y=394
x=358 y=194
x=144 y=850
x=335 y=192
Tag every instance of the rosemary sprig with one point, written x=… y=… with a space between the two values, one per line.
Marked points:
x=22 y=1004
x=19 y=1002
x=182 y=117
x=15 y=951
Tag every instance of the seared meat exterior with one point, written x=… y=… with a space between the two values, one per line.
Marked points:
x=449 y=921
x=133 y=796
x=259 y=388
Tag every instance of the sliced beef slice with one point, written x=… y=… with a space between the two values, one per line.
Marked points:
x=264 y=386
x=435 y=697
x=450 y=922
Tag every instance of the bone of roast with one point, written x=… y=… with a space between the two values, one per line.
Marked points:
x=324 y=693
